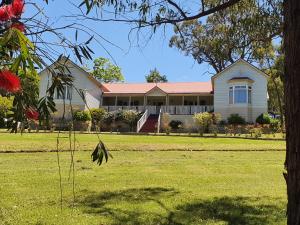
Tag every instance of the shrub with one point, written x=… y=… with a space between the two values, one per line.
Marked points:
x=175 y=124
x=275 y=125
x=6 y=104
x=165 y=123
x=236 y=119
x=256 y=132
x=130 y=117
x=203 y=120
x=82 y=116
x=263 y=118
x=98 y=115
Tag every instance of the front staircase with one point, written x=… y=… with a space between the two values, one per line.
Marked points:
x=150 y=125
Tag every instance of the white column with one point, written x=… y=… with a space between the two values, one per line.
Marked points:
x=182 y=100
x=116 y=100
x=129 y=101
x=198 y=100
x=145 y=100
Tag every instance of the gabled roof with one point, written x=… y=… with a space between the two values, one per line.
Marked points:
x=168 y=88
x=236 y=62
x=232 y=65
x=63 y=60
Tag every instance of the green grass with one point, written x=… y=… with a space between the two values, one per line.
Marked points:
x=145 y=188
x=47 y=142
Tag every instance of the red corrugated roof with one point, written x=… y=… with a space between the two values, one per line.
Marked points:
x=170 y=88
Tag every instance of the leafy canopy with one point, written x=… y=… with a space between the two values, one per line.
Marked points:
x=106 y=72
x=241 y=31
x=155 y=77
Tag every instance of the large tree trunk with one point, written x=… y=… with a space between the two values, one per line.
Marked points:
x=292 y=112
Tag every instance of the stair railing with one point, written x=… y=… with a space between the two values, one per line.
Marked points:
x=159 y=120
x=142 y=121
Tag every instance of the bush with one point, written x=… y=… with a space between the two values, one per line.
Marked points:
x=236 y=119
x=130 y=117
x=175 y=124
x=263 y=118
x=98 y=115
x=6 y=104
x=203 y=120
x=275 y=125
x=256 y=132
x=82 y=116
x=165 y=123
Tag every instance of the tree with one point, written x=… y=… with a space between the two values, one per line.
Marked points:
x=106 y=72
x=241 y=31
x=276 y=86
x=292 y=106
x=155 y=77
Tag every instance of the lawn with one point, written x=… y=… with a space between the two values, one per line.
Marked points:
x=144 y=187
x=47 y=142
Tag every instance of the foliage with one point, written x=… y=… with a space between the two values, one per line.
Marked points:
x=83 y=116
x=256 y=132
x=203 y=121
x=100 y=153
x=235 y=119
x=175 y=124
x=6 y=104
x=263 y=118
x=275 y=84
x=155 y=77
x=244 y=30
x=106 y=72
x=275 y=125
x=130 y=117
x=165 y=123
x=98 y=114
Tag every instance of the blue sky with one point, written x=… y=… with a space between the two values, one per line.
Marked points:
x=134 y=61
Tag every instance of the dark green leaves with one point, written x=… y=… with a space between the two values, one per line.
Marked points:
x=100 y=153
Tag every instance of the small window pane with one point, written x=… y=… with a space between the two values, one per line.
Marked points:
x=249 y=95
x=230 y=95
x=240 y=94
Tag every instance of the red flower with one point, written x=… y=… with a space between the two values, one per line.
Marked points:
x=19 y=26
x=13 y=10
x=17 y=7
x=32 y=114
x=9 y=81
x=6 y=12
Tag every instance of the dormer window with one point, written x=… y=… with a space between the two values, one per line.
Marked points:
x=240 y=94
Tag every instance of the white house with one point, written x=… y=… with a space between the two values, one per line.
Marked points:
x=240 y=88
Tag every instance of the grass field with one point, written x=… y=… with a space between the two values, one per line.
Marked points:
x=144 y=187
x=47 y=142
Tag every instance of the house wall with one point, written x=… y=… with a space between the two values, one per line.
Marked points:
x=81 y=82
x=259 y=92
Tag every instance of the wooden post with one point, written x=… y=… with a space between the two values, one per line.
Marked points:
x=116 y=101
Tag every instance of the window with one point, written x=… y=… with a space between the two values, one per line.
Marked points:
x=66 y=93
x=240 y=94
x=231 y=95
x=249 y=95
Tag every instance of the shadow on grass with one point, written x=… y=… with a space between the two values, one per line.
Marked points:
x=146 y=206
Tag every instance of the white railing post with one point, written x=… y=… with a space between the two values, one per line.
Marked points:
x=142 y=121
x=158 y=121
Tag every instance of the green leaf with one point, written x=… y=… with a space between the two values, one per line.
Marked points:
x=100 y=153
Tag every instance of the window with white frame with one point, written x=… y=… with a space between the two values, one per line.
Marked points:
x=240 y=94
x=66 y=93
